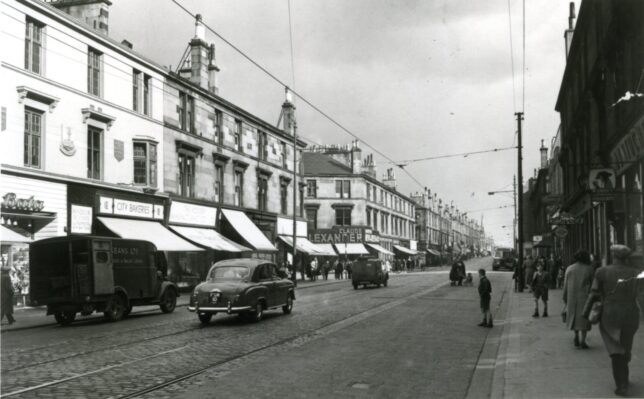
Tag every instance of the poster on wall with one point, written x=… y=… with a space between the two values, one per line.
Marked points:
x=81 y=219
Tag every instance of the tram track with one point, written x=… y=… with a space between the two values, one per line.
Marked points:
x=297 y=339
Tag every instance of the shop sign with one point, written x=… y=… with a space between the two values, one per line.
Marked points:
x=565 y=218
x=561 y=232
x=601 y=180
x=121 y=207
x=11 y=201
x=81 y=219
x=537 y=239
x=181 y=212
x=338 y=235
x=370 y=236
x=630 y=148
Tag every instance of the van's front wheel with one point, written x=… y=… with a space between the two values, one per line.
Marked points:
x=168 y=301
x=65 y=318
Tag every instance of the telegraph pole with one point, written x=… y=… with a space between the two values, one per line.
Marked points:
x=520 y=200
x=514 y=220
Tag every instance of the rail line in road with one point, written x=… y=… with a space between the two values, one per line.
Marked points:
x=297 y=339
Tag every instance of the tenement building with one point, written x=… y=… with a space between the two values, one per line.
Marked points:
x=602 y=127
x=82 y=131
x=348 y=207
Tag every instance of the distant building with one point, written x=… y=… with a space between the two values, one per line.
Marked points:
x=346 y=205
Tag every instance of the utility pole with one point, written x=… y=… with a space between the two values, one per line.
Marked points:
x=520 y=200
x=514 y=220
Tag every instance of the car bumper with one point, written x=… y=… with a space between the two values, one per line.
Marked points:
x=211 y=309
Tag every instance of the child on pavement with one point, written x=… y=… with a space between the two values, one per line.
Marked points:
x=485 y=292
x=540 y=283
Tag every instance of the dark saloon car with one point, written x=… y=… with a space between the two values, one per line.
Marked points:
x=504 y=258
x=244 y=286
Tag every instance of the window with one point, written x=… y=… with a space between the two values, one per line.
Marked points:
x=147 y=95
x=219 y=127
x=186 y=112
x=136 y=89
x=301 y=198
x=219 y=183
x=186 y=174
x=263 y=146
x=94 y=152
x=382 y=197
x=311 y=219
x=368 y=216
x=94 y=71
x=239 y=188
x=262 y=192
x=239 y=146
x=145 y=163
x=33 y=46
x=283 y=148
x=311 y=188
x=33 y=138
x=343 y=189
x=368 y=192
x=284 y=197
x=343 y=216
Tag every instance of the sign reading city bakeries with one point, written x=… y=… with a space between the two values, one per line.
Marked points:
x=11 y=201
x=337 y=235
x=115 y=206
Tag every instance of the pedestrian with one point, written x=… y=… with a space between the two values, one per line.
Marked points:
x=552 y=270
x=596 y=261
x=339 y=268
x=7 y=295
x=325 y=269
x=348 y=270
x=620 y=313
x=540 y=284
x=529 y=272
x=577 y=282
x=314 y=269
x=485 y=293
x=455 y=274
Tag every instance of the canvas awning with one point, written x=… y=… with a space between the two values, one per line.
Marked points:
x=380 y=249
x=327 y=249
x=351 y=249
x=8 y=235
x=154 y=232
x=433 y=252
x=304 y=245
x=209 y=238
x=247 y=230
x=404 y=250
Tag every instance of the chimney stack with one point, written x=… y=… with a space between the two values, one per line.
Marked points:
x=288 y=113
x=544 y=156
x=569 y=32
x=94 y=13
x=200 y=57
x=356 y=157
x=389 y=179
x=213 y=84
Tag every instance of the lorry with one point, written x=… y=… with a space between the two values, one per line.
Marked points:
x=368 y=271
x=86 y=274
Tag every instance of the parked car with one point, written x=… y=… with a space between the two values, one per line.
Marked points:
x=369 y=271
x=504 y=258
x=84 y=274
x=244 y=286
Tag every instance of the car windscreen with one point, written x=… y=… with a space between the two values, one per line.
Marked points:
x=229 y=273
x=502 y=253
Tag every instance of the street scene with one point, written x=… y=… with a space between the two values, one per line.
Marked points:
x=321 y=199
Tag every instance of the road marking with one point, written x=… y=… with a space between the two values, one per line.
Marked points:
x=75 y=376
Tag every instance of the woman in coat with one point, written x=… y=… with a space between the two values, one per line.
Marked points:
x=576 y=287
x=620 y=314
x=7 y=296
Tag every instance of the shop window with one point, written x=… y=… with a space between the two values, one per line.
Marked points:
x=33 y=138
x=145 y=163
x=94 y=153
x=94 y=72
x=343 y=189
x=33 y=46
x=343 y=216
x=311 y=189
x=186 y=174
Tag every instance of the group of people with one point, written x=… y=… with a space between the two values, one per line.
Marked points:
x=585 y=282
x=314 y=268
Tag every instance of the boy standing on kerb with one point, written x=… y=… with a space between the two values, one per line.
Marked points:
x=485 y=292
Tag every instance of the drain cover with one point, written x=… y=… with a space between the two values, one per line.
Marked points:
x=360 y=385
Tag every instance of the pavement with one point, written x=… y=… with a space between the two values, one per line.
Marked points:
x=536 y=357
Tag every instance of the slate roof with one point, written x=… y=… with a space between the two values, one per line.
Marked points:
x=314 y=163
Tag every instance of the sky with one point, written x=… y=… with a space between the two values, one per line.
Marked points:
x=412 y=78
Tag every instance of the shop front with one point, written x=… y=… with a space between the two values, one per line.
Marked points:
x=348 y=242
x=239 y=228
x=32 y=209
x=127 y=214
x=196 y=223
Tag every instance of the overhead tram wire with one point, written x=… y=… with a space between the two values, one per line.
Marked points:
x=524 y=66
x=406 y=162
x=300 y=96
x=514 y=94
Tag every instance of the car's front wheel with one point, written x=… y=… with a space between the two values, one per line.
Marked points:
x=288 y=307
x=65 y=318
x=258 y=313
x=355 y=286
x=204 y=318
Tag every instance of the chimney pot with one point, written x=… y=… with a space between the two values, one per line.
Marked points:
x=200 y=29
